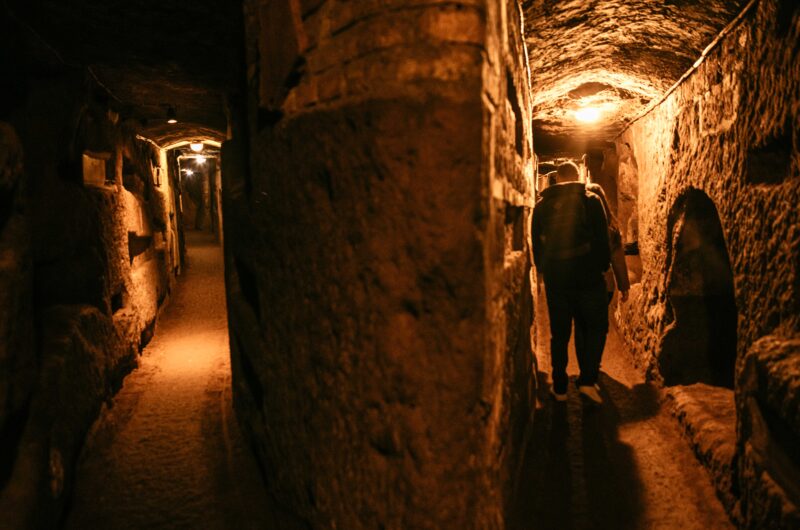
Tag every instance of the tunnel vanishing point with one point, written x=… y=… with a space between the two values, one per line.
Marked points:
x=370 y=168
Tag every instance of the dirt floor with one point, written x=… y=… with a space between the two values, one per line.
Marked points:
x=168 y=453
x=621 y=465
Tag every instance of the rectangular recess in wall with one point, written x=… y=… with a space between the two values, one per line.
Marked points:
x=95 y=169
x=771 y=162
x=138 y=245
x=515 y=231
x=119 y=300
x=131 y=179
x=248 y=286
x=513 y=99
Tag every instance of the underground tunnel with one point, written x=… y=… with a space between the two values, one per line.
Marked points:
x=268 y=263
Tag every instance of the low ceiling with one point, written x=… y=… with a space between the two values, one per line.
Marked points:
x=151 y=55
x=613 y=55
x=616 y=55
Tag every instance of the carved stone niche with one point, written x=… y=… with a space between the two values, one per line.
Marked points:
x=97 y=166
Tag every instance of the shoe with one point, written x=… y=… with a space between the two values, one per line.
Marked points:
x=558 y=397
x=591 y=392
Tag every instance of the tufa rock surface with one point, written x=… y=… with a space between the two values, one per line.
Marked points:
x=727 y=136
x=616 y=55
x=378 y=277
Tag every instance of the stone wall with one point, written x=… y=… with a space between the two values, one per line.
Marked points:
x=18 y=363
x=508 y=169
x=375 y=201
x=216 y=187
x=88 y=253
x=728 y=135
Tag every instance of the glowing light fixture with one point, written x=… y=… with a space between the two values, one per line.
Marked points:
x=171 y=115
x=587 y=114
x=188 y=172
x=197 y=147
x=200 y=159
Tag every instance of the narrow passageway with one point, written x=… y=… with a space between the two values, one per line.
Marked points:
x=621 y=465
x=168 y=453
x=367 y=361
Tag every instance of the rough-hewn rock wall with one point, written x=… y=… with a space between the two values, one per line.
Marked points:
x=87 y=261
x=617 y=55
x=508 y=170
x=17 y=354
x=768 y=406
x=376 y=269
x=729 y=131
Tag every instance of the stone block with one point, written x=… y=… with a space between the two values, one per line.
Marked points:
x=83 y=362
x=330 y=85
x=768 y=401
x=455 y=24
x=708 y=417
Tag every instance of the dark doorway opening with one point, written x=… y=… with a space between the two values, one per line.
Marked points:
x=699 y=345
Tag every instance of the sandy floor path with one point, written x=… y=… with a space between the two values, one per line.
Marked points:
x=168 y=453
x=622 y=465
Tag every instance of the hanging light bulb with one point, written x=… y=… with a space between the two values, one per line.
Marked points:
x=197 y=147
x=171 y=115
x=200 y=159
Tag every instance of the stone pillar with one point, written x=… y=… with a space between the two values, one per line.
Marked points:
x=375 y=207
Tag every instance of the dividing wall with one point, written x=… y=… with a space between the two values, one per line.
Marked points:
x=376 y=199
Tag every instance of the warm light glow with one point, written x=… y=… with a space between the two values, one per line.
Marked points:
x=200 y=159
x=587 y=114
x=172 y=115
x=188 y=172
x=196 y=147
x=182 y=143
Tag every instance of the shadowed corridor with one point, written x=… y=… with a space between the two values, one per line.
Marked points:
x=168 y=453
x=366 y=348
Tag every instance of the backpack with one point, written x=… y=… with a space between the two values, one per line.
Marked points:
x=566 y=229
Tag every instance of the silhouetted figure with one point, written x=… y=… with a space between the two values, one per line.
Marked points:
x=571 y=249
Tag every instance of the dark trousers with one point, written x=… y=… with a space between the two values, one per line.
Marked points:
x=588 y=308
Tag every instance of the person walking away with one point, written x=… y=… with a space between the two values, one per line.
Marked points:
x=617 y=275
x=571 y=250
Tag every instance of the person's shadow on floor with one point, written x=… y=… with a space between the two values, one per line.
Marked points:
x=577 y=474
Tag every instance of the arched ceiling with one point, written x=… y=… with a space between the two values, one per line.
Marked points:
x=150 y=55
x=615 y=55
x=618 y=55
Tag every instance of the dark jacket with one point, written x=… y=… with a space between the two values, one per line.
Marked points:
x=570 y=236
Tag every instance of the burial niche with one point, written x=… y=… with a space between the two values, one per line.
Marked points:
x=699 y=345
